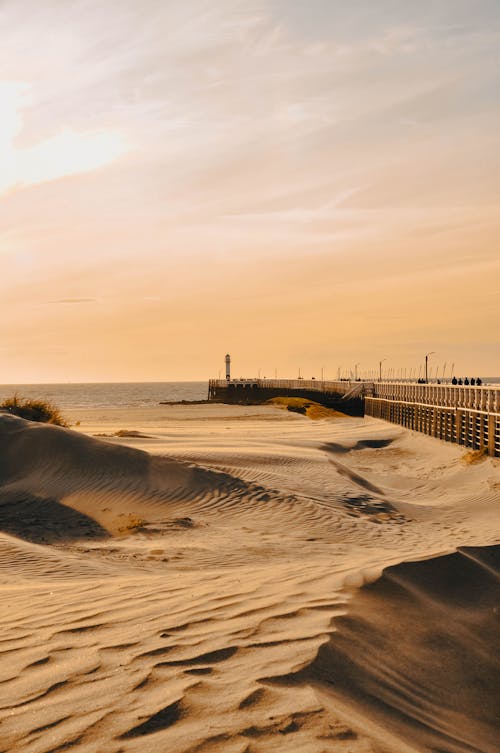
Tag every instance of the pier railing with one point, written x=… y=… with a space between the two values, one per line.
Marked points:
x=481 y=398
x=316 y=385
x=464 y=414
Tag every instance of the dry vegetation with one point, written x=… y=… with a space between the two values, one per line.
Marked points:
x=306 y=407
x=474 y=456
x=131 y=524
x=33 y=410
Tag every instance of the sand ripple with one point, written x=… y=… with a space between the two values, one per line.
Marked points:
x=201 y=598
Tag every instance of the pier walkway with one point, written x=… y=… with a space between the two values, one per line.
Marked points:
x=466 y=415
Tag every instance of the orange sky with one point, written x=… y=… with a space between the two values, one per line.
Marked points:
x=302 y=187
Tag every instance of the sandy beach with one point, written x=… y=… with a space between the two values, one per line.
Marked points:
x=228 y=579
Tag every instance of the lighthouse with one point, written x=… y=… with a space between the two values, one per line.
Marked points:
x=228 y=367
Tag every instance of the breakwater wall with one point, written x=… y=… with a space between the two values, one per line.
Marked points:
x=465 y=415
x=343 y=396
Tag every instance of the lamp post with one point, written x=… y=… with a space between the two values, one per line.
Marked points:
x=380 y=369
x=426 y=362
x=356 y=371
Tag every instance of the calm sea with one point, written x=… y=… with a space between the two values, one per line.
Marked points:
x=108 y=395
x=119 y=395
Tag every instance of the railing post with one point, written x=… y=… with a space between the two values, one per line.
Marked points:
x=434 y=422
x=481 y=431
x=491 y=434
x=458 y=426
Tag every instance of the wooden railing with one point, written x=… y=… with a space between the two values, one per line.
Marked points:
x=481 y=398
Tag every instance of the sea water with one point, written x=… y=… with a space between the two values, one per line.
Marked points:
x=108 y=395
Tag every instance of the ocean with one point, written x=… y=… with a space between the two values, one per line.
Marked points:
x=108 y=394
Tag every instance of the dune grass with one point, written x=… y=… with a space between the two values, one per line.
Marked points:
x=474 y=456
x=33 y=410
x=308 y=408
x=131 y=524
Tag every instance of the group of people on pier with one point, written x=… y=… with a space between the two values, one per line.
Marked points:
x=466 y=382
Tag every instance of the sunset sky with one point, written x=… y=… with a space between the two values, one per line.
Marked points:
x=303 y=184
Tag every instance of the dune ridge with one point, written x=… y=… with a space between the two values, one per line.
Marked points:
x=416 y=659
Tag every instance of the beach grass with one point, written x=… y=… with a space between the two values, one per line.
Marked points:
x=33 y=410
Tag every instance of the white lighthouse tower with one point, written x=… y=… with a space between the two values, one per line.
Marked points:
x=228 y=367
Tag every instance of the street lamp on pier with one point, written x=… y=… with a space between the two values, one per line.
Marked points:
x=380 y=369
x=426 y=364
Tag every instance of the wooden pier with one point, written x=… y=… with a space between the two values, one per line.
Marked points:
x=465 y=415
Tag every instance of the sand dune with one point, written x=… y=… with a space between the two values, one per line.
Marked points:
x=204 y=585
x=417 y=658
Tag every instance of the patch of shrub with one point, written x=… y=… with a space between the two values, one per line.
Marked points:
x=131 y=524
x=305 y=407
x=474 y=456
x=33 y=410
x=297 y=408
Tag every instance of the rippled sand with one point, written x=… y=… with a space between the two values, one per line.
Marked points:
x=215 y=585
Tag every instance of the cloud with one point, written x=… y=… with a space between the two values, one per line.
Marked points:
x=74 y=300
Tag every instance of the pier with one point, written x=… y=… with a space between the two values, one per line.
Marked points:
x=465 y=415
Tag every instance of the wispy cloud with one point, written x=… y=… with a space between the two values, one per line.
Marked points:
x=74 y=300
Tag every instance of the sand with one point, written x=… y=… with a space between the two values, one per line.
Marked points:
x=245 y=580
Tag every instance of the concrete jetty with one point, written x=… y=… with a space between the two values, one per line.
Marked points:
x=344 y=396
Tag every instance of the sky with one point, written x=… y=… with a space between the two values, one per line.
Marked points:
x=303 y=185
